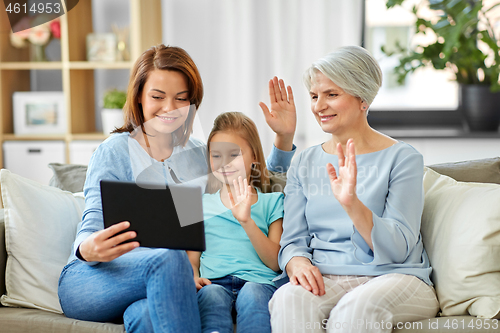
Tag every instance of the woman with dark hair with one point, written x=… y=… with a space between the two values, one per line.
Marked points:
x=151 y=289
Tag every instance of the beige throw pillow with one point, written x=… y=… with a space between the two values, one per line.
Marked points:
x=461 y=234
x=40 y=227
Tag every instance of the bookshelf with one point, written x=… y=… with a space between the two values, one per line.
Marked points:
x=77 y=74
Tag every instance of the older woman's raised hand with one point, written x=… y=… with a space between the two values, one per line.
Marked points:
x=344 y=183
x=281 y=115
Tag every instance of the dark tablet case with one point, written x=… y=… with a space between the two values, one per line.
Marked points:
x=152 y=214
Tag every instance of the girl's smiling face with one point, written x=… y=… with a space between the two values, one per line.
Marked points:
x=230 y=157
x=165 y=101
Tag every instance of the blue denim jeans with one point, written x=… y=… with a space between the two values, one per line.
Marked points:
x=218 y=300
x=152 y=289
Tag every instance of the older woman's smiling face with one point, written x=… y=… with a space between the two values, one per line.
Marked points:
x=334 y=109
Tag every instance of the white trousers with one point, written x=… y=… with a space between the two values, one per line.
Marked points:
x=353 y=304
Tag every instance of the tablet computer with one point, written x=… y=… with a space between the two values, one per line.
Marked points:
x=162 y=216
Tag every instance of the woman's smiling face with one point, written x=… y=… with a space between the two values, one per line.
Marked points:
x=165 y=101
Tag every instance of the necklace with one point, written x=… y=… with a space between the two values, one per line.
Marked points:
x=172 y=173
x=149 y=147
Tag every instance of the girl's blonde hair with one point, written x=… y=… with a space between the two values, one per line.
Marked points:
x=243 y=126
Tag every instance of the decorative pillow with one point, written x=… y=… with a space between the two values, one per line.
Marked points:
x=40 y=227
x=461 y=234
x=68 y=177
x=480 y=171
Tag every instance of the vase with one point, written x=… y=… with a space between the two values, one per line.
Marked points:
x=111 y=120
x=480 y=107
x=38 y=52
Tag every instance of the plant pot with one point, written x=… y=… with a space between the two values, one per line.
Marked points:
x=480 y=107
x=111 y=119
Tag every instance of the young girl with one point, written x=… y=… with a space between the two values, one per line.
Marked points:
x=243 y=226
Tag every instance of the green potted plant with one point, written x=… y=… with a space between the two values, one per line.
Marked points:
x=465 y=42
x=112 y=112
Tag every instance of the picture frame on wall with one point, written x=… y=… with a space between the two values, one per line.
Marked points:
x=39 y=113
x=102 y=47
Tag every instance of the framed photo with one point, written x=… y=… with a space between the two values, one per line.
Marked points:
x=39 y=113
x=101 y=47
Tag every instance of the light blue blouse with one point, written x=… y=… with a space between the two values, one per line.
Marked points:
x=121 y=157
x=315 y=225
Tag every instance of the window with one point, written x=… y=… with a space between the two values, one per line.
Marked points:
x=426 y=88
x=427 y=98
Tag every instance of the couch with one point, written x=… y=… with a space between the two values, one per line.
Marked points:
x=34 y=319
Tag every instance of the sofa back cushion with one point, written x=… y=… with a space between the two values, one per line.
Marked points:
x=40 y=227
x=478 y=171
x=68 y=177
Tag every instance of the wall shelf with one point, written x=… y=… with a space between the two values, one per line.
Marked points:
x=11 y=137
x=100 y=65
x=77 y=73
x=31 y=65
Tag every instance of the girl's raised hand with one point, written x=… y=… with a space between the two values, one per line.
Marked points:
x=241 y=208
x=344 y=184
x=281 y=117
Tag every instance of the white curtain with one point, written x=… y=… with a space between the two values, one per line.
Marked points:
x=238 y=45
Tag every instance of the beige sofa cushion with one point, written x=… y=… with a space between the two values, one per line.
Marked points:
x=461 y=234
x=68 y=177
x=40 y=227
x=14 y=320
x=479 y=171
x=452 y=324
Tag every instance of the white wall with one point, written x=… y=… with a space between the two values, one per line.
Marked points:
x=239 y=45
x=443 y=150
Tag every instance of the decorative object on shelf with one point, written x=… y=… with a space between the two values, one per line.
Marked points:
x=122 y=35
x=101 y=47
x=39 y=113
x=465 y=42
x=112 y=112
x=37 y=36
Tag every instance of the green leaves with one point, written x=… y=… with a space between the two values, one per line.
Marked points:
x=457 y=43
x=114 y=99
x=392 y=3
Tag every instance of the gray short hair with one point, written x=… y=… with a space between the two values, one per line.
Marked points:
x=352 y=68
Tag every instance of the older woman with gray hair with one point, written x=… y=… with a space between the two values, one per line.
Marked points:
x=351 y=243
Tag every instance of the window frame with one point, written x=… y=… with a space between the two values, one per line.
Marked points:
x=411 y=118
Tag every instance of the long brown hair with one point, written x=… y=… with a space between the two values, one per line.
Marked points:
x=169 y=58
x=238 y=123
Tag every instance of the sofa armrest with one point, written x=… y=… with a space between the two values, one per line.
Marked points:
x=3 y=253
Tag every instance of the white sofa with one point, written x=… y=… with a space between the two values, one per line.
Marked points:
x=40 y=223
